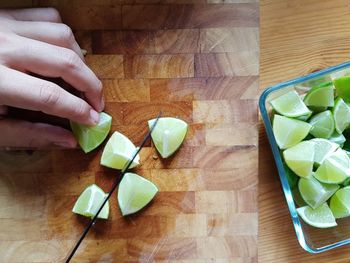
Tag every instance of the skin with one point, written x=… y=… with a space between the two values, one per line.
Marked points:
x=36 y=41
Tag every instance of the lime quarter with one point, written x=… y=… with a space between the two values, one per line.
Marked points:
x=289 y=132
x=290 y=105
x=320 y=217
x=118 y=151
x=90 y=137
x=90 y=201
x=134 y=193
x=168 y=134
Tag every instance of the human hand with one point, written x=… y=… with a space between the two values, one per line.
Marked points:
x=36 y=41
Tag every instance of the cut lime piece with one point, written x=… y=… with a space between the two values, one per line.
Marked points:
x=341 y=114
x=300 y=158
x=168 y=134
x=134 y=193
x=340 y=203
x=342 y=86
x=314 y=192
x=334 y=169
x=321 y=96
x=118 y=151
x=337 y=138
x=323 y=148
x=322 y=125
x=90 y=201
x=289 y=132
x=320 y=217
x=290 y=105
x=89 y=137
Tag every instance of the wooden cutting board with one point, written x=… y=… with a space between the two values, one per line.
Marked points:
x=297 y=37
x=193 y=59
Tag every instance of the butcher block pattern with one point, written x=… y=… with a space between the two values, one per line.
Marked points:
x=193 y=59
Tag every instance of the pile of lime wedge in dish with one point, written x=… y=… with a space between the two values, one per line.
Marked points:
x=313 y=133
x=134 y=191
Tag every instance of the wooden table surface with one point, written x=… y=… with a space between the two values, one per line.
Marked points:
x=297 y=37
x=194 y=59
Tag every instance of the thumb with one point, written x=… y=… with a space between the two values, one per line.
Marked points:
x=24 y=134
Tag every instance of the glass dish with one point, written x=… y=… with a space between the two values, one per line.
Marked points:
x=313 y=240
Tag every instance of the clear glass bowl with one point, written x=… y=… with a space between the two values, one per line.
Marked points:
x=313 y=240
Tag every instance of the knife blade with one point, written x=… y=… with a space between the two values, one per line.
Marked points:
x=115 y=184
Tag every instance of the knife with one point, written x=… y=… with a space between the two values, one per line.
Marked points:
x=116 y=183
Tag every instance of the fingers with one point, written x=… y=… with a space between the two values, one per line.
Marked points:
x=48 y=14
x=52 y=33
x=52 y=61
x=16 y=133
x=32 y=93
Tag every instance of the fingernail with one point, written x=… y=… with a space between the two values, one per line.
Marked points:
x=94 y=116
x=63 y=144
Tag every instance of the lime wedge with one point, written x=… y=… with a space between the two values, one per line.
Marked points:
x=322 y=124
x=168 y=134
x=321 y=96
x=134 y=193
x=337 y=138
x=320 y=217
x=289 y=132
x=334 y=169
x=118 y=151
x=315 y=193
x=323 y=148
x=89 y=137
x=342 y=86
x=90 y=201
x=340 y=203
x=341 y=114
x=290 y=105
x=300 y=158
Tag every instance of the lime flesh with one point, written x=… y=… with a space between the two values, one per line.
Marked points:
x=90 y=137
x=334 y=169
x=314 y=192
x=168 y=134
x=300 y=158
x=341 y=114
x=320 y=96
x=90 y=201
x=134 y=193
x=289 y=132
x=323 y=148
x=118 y=151
x=342 y=86
x=290 y=105
x=340 y=203
x=320 y=217
x=322 y=124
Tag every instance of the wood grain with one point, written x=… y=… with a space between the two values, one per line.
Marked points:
x=192 y=59
x=296 y=37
